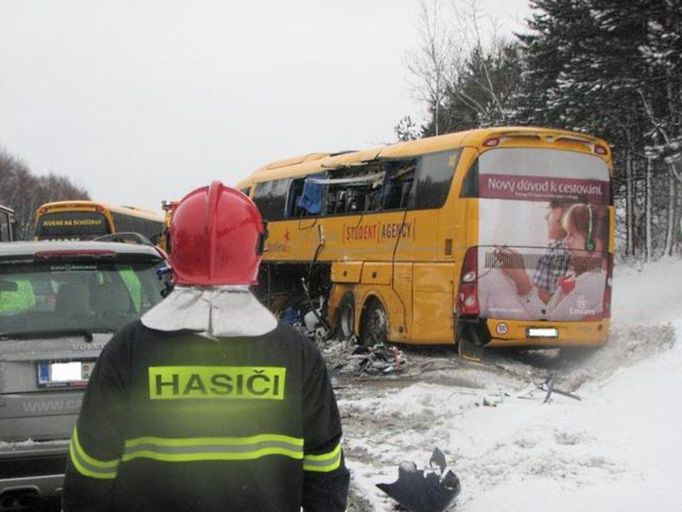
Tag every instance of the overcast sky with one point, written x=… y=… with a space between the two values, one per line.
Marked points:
x=143 y=100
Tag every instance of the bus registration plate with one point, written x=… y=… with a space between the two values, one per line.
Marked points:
x=543 y=332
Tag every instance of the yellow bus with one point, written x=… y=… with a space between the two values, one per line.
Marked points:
x=85 y=220
x=489 y=237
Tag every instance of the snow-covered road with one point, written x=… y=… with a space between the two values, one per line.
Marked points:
x=616 y=449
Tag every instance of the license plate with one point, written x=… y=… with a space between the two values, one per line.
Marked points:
x=543 y=332
x=64 y=374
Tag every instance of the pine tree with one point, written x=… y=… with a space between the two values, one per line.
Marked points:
x=611 y=68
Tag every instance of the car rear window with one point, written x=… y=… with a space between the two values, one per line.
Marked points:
x=87 y=295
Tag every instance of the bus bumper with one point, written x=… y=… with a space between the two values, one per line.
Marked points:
x=518 y=333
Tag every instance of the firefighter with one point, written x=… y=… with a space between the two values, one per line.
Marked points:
x=208 y=403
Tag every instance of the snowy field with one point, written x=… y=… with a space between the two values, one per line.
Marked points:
x=615 y=449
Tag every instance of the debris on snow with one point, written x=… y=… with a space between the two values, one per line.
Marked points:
x=424 y=490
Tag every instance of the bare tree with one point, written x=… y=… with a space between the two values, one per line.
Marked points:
x=24 y=192
x=433 y=60
x=485 y=62
x=466 y=78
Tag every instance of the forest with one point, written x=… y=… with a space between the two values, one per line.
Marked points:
x=605 y=67
x=24 y=192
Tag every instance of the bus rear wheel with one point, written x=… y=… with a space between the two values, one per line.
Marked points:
x=374 y=325
x=347 y=316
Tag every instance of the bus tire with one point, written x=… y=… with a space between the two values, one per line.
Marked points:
x=374 y=323
x=346 y=316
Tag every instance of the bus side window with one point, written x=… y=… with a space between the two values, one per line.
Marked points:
x=470 y=183
x=137 y=225
x=295 y=192
x=140 y=226
x=398 y=186
x=145 y=228
x=405 y=198
x=330 y=204
x=373 y=200
x=434 y=176
x=122 y=223
x=340 y=201
x=152 y=229
x=352 y=200
x=305 y=197
x=271 y=198
x=368 y=188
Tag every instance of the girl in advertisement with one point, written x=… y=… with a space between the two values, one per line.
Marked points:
x=580 y=293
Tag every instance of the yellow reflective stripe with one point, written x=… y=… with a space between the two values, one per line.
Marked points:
x=196 y=441
x=87 y=465
x=213 y=448
x=324 y=462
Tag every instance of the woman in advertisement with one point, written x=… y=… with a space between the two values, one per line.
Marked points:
x=580 y=293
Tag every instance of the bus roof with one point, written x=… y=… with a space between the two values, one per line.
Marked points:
x=318 y=162
x=129 y=210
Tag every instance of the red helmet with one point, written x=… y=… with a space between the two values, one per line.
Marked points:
x=217 y=234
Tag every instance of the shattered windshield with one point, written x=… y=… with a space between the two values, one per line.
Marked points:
x=92 y=296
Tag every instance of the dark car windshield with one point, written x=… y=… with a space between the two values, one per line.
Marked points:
x=91 y=296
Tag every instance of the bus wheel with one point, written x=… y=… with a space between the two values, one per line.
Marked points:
x=374 y=326
x=346 y=316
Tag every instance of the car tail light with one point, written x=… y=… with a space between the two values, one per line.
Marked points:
x=467 y=294
x=600 y=150
x=492 y=142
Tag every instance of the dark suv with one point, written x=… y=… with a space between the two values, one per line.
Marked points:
x=60 y=303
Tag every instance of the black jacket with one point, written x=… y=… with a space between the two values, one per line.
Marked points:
x=179 y=422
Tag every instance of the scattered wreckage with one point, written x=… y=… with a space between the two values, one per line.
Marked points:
x=431 y=489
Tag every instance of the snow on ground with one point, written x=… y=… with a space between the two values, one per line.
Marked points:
x=616 y=449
